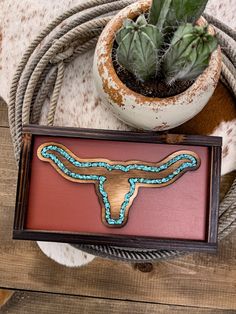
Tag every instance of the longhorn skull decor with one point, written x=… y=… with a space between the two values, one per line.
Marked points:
x=117 y=182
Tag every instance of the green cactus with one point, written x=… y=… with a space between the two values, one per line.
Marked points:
x=166 y=46
x=167 y=15
x=138 y=48
x=189 y=53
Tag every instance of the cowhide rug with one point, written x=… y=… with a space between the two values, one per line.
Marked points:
x=78 y=105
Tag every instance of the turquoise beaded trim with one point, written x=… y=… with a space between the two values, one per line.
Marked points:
x=101 y=179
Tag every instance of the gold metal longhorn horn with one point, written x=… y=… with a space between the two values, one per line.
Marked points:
x=117 y=182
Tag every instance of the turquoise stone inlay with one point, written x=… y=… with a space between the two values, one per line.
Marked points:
x=192 y=163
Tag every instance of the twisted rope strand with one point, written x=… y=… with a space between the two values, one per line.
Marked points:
x=224 y=81
x=226 y=46
x=229 y=65
x=224 y=28
x=229 y=77
x=55 y=93
x=43 y=92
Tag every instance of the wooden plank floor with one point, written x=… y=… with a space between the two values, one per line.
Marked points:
x=197 y=283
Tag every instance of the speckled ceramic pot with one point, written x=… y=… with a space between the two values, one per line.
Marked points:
x=141 y=111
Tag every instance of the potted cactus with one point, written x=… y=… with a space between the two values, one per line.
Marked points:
x=157 y=63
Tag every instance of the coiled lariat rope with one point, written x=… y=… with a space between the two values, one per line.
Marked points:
x=41 y=73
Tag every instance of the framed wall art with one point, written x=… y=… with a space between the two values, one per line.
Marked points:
x=127 y=189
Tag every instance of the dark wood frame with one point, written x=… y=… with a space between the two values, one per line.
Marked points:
x=214 y=143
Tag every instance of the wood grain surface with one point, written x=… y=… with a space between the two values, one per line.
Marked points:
x=196 y=283
x=44 y=303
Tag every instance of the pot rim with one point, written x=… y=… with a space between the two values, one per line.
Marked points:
x=119 y=89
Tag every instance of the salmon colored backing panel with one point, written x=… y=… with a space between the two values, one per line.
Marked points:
x=178 y=211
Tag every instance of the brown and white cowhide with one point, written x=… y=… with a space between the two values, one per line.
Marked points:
x=79 y=105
